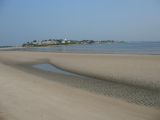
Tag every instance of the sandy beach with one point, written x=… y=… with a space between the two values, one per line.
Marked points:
x=29 y=94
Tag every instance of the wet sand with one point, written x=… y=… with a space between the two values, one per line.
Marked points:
x=30 y=94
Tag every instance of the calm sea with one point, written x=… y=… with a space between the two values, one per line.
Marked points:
x=120 y=48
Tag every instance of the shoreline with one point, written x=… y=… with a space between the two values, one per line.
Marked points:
x=69 y=52
x=123 y=50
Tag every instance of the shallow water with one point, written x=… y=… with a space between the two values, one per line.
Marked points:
x=127 y=92
x=51 y=68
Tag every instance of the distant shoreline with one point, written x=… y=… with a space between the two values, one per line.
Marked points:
x=140 y=48
x=25 y=50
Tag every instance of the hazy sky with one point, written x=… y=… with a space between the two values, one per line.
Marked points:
x=129 y=20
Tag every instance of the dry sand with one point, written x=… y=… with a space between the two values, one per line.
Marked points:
x=26 y=96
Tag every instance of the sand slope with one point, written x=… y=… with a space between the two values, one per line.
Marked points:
x=24 y=96
x=142 y=70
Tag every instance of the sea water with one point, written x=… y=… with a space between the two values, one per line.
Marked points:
x=108 y=48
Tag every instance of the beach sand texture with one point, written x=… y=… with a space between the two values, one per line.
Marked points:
x=142 y=70
x=25 y=95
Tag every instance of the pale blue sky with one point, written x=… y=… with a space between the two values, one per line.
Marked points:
x=129 y=20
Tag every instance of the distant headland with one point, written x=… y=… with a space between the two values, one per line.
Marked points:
x=51 y=42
